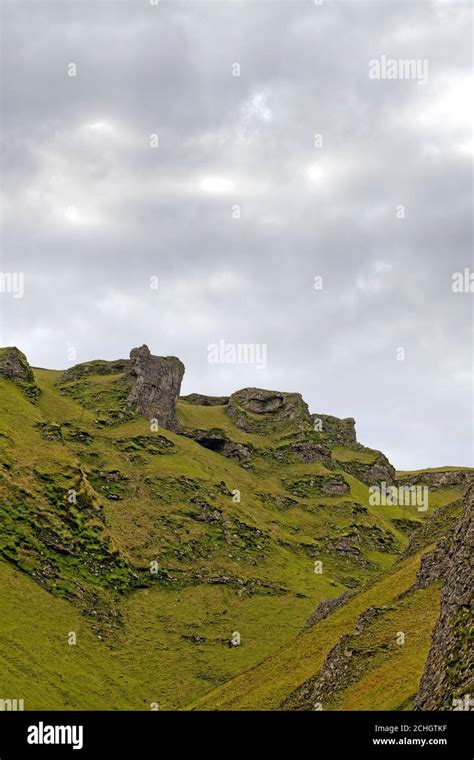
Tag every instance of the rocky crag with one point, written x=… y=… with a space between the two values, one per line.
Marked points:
x=243 y=513
x=151 y=384
x=155 y=385
x=14 y=366
x=447 y=682
x=448 y=679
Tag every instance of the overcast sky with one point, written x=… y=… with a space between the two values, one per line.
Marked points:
x=93 y=211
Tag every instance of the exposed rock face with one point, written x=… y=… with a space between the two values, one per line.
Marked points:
x=256 y=410
x=155 y=384
x=340 y=431
x=237 y=451
x=304 y=451
x=217 y=441
x=341 y=667
x=200 y=400
x=14 y=366
x=327 y=606
x=449 y=669
x=433 y=566
x=434 y=529
x=441 y=479
x=378 y=471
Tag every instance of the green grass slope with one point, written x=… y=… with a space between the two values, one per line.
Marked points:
x=382 y=659
x=156 y=551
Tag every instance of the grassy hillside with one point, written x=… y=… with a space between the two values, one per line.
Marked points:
x=266 y=686
x=156 y=550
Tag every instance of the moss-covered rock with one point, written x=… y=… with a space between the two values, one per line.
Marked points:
x=14 y=366
x=448 y=680
x=257 y=410
x=200 y=400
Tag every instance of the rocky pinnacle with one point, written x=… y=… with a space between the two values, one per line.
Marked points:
x=155 y=385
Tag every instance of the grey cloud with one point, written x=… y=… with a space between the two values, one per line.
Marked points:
x=137 y=212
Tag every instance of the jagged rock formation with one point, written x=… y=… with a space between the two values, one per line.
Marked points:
x=326 y=606
x=433 y=566
x=306 y=452
x=155 y=385
x=255 y=410
x=14 y=366
x=450 y=665
x=439 y=479
x=373 y=473
x=92 y=498
x=339 y=670
x=448 y=673
x=340 y=431
x=433 y=530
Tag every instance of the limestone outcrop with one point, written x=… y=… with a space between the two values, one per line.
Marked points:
x=338 y=430
x=257 y=410
x=14 y=366
x=155 y=383
x=447 y=682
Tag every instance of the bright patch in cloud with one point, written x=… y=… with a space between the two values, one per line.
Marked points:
x=256 y=108
x=374 y=281
x=100 y=128
x=217 y=185
x=315 y=173
x=454 y=107
x=76 y=217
